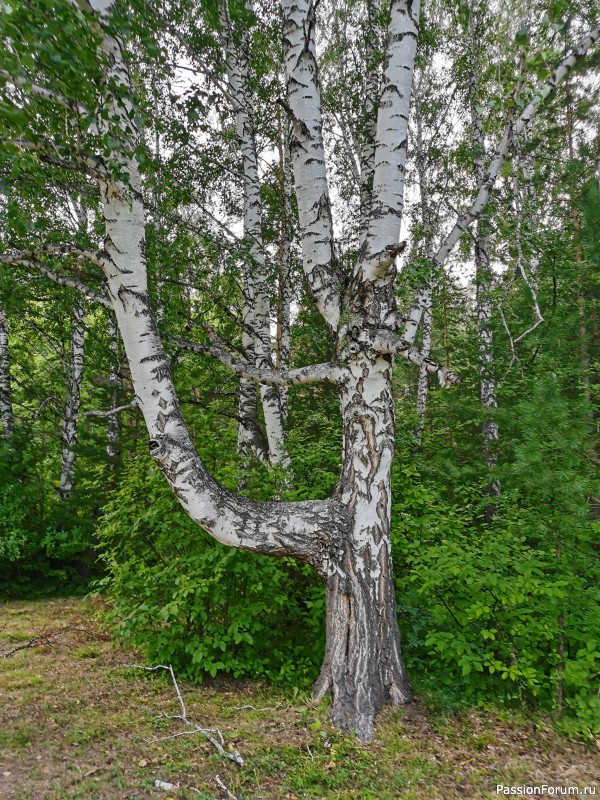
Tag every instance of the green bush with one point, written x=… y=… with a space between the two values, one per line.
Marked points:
x=205 y=608
x=490 y=614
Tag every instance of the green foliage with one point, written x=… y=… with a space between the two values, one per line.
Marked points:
x=40 y=552
x=203 y=607
x=507 y=612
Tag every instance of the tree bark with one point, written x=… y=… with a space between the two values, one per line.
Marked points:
x=256 y=289
x=113 y=431
x=363 y=664
x=72 y=404
x=6 y=407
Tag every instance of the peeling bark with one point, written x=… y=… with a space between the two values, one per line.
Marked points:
x=363 y=664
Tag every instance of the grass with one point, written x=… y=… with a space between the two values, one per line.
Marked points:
x=76 y=722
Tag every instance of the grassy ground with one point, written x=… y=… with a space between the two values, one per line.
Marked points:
x=75 y=722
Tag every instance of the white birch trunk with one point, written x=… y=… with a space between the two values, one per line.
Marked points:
x=367 y=153
x=308 y=158
x=256 y=290
x=363 y=664
x=113 y=431
x=6 y=407
x=484 y=276
x=391 y=140
x=424 y=310
x=285 y=269
x=423 y=384
x=71 y=415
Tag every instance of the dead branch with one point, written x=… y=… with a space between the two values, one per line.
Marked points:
x=183 y=717
x=221 y=785
x=47 y=639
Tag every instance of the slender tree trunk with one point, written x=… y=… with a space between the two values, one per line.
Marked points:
x=113 y=431
x=423 y=385
x=367 y=154
x=484 y=275
x=250 y=439
x=487 y=381
x=6 y=408
x=282 y=360
x=73 y=402
x=256 y=291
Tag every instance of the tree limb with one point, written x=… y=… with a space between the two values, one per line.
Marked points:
x=62 y=280
x=183 y=717
x=389 y=342
x=88 y=165
x=313 y=373
x=35 y=89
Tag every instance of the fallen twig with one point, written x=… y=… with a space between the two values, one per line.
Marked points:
x=221 y=785
x=47 y=639
x=207 y=732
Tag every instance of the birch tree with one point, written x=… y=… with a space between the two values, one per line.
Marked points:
x=478 y=14
x=6 y=409
x=345 y=538
x=256 y=310
x=73 y=402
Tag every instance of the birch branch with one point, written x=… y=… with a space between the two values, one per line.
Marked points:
x=62 y=280
x=389 y=342
x=183 y=717
x=88 y=165
x=47 y=639
x=314 y=373
x=221 y=785
x=111 y=412
x=29 y=87
x=95 y=257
